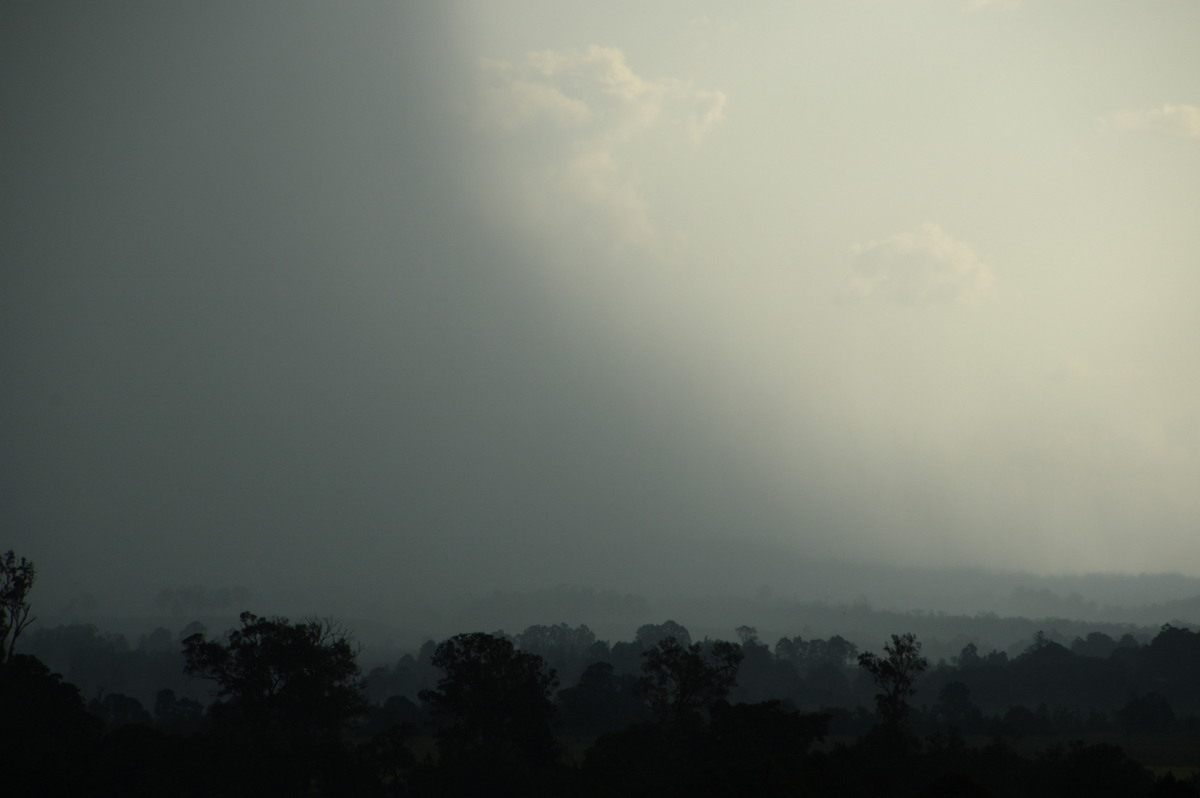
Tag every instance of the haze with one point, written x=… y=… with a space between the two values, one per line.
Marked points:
x=388 y=300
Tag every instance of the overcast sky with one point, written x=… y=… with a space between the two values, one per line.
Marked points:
x=518 y=293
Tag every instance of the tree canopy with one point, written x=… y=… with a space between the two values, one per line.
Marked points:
x=680 y=681
x=274 y=674
x=895 y=675
x=495 y=702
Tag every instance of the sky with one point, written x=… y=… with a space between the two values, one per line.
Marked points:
x=395 y=298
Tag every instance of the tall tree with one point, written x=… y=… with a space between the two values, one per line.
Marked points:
x=651 y=634
x=497 y=701
x=274 y=674
x=680 y=681
x=16 y=579
x=290 y=692
x=895 y=675
x=48 y=739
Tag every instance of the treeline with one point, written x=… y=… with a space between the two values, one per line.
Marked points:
x=103 y=663
x=811 y=673
x=553 y=710
x=1094 y=684
x=280 y=708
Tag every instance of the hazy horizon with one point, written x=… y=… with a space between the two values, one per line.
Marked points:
x=400 y=298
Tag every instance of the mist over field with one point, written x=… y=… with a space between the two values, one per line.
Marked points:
x=389 y=310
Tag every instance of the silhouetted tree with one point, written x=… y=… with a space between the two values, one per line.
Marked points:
x=809 y=654
x=1042 y=647
x=497 y=702
x=290 y=691
x=273 y=673
x=177 y=715
x=397 y=711
x=562 y=647
x=761 y=677
x=650 y=634
x=626 y=657
x=968 y=657
x=157 y=642
x=600 y=702
x=1170 y=663
x=955 y=709
x=16 y=580
x=47 y=737
x=895 y=675
x=1097 y=644
x=680 y=681
x=558 y=639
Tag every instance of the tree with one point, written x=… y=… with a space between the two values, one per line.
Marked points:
x=1043 y=647
x=895 y=675
x=497 y=700
x=563 y=648
x=955 y=709
x=290 y=691
x=559 y=641
x=968 y=657
x=747 y=634
x=680 y=681
x=806 y=655
x=177 y=715
x=48 y=737
x=651 y=634
x=282 y=678
x=760 y=675
x=495 y=704
x=1097 y=644
x=16 y=579
x=601 y=702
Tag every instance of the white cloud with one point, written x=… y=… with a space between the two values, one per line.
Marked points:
x=709 y=110
x=920 y=267
x=1172 y=120
x=513 y=102
x=598 y=108
x=594 y=176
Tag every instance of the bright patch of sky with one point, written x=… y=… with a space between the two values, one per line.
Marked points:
x=936 y=258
